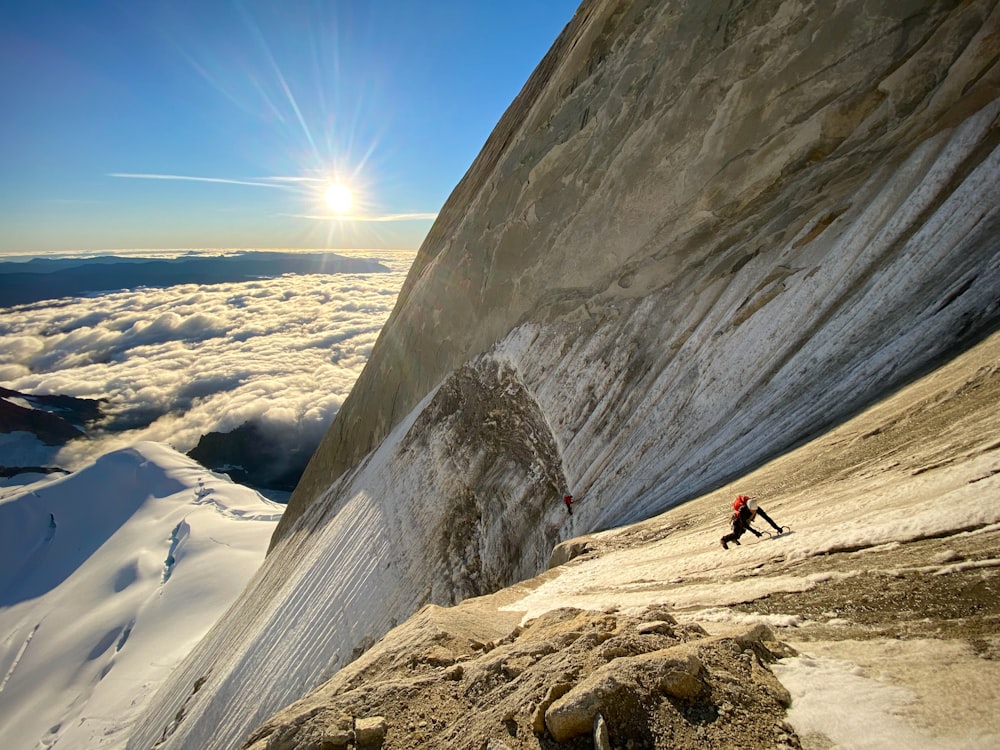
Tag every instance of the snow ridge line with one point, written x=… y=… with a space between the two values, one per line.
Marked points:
x=203 y=496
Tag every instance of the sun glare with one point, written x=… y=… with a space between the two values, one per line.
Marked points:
x=338 y=198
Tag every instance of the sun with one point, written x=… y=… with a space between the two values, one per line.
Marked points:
x=338 y=198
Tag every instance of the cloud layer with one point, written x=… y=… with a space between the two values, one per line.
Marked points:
x=174 y=364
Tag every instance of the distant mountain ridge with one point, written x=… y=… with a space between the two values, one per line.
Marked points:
x=52 y=278
x=251 y=456
x=54 y=420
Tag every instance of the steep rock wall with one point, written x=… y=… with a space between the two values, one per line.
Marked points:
x=701 y=233
x=660 y=147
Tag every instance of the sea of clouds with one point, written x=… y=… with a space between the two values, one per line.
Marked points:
x=174 y=364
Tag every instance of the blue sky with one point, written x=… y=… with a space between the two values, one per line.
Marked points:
x=219 y=123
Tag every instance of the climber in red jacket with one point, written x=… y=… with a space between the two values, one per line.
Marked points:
x=745 y=510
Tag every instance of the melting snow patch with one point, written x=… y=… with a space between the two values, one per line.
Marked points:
x=831 y=575
x=946 y=556
x=968 y=565
x=837 y=700
x=833 y=698
x=888 y=547
x=726 y=615
x=838 y=621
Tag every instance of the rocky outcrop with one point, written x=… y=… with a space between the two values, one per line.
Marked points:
x=932 y=447
x=252 y=455
x=549 y=681
x=886 y=556
x=500 y=457
x=53 y=419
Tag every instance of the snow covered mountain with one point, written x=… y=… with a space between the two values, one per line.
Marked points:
x=108 y=577
x=702 y=234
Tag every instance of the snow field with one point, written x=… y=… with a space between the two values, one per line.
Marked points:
x=105 y=596
x=882 y=695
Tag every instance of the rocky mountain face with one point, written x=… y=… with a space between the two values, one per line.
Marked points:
x=767 y=210
x=251 y=455
x=703 y=233
x=453 y=679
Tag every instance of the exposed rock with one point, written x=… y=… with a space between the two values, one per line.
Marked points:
x=54 y=420
x=484 y=423
x=888 y=591
x=601 y=739
x=251 y=455
x=337 y=739
x=370 y=732
x=563 y=552
x=704 y=198
x=439 y=656
x=674 y=671
x=574 y=714
x=538 y=723
x=664 y=688
x=679 y=676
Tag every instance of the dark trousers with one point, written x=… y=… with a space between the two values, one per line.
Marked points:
x=741 y=524
x=739 y=528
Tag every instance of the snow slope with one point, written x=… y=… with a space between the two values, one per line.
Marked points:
x=108 y=577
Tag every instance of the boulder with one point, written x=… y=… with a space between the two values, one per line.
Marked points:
x=538 y=723
x=563 y=552
x=370 y=732
x=675 y=672
x=574 y=714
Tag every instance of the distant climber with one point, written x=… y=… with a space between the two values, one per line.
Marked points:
x=745 y=510
x=568 y=499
